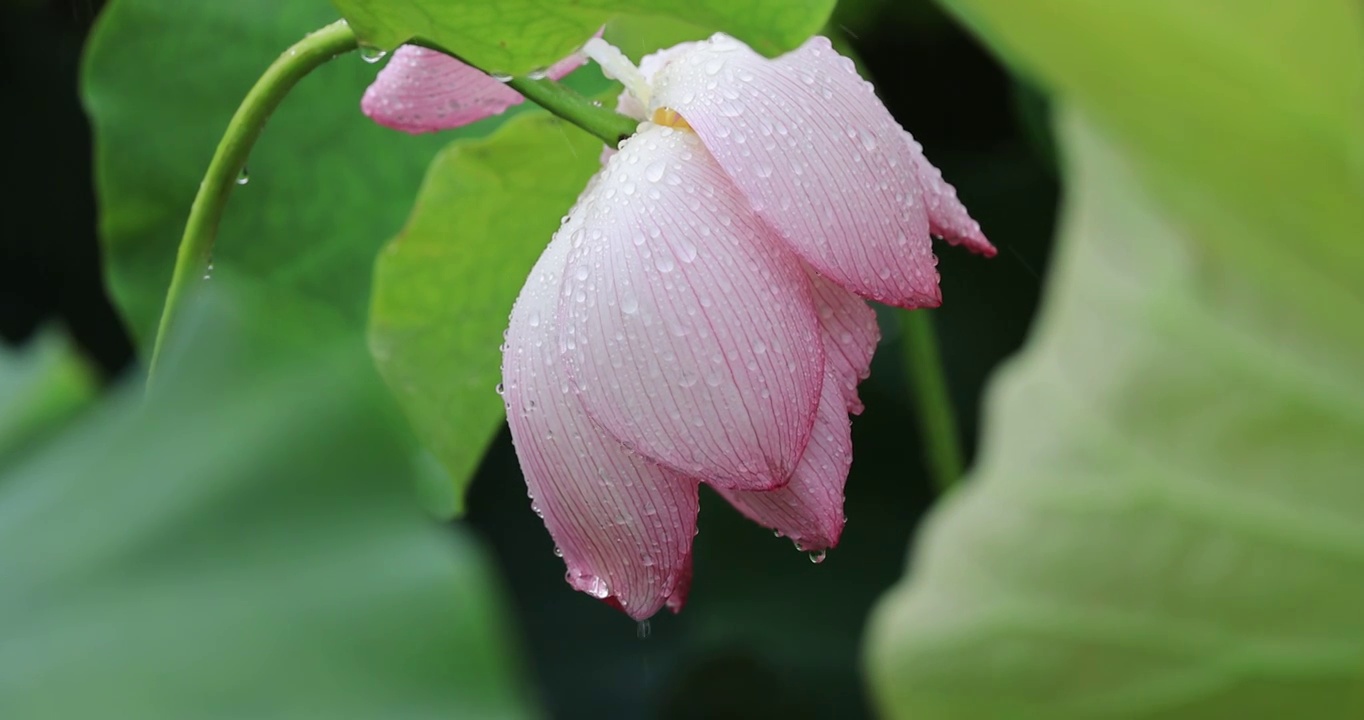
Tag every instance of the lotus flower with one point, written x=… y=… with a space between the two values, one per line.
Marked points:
x=701 y=315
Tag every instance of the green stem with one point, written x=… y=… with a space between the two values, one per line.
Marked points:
x=563 y=102
x=937 y=420
x=611 y=127
x=229 y=160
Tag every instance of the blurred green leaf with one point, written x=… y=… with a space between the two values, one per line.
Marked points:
x=1165 y=521
x=1166 y=517
x=41 y=387
x=162 y=78
x=247 y=543
x=444 y=288
x=1243 y=117
x=517 y=36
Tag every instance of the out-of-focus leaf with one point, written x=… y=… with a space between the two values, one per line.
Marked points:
x=444 y=287
x=1166 y=518
x=1165 y=521
x=516 y=36
x=1243 y=117
x=326 y=185
x=41 y=387
x=243 y=544
x=637 y=36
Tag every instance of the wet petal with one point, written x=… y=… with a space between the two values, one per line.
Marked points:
x=624 y=525
x=649 y=65
x=422 y=90
x=819 y=157
x=689 y=328
x=947 y=217
x=850 y=336
x=809 y=509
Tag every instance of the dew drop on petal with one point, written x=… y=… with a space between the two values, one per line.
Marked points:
x=817 y=556
x=686 y=252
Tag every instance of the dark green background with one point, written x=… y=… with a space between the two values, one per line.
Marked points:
x=765 y=631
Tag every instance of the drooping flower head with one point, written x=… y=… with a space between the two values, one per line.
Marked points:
x=700 y=316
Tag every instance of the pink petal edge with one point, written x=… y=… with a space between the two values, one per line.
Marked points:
x=809 y=508
x=688 y=328
x=850 y=336
x=623 y=525
x=818 y=155
x=422 y=90
x=947 y=216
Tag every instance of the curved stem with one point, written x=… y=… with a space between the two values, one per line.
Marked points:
x=563 y=102
x=229 y=160
x=928 y=381
x=610 y=126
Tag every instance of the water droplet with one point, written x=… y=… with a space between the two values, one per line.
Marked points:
x=500 y=388
x=713 y=66
x=371 y=54
x=501 y=78
x=686 y=252
x=868 y=140
x=243 y=176
x=629 y=305
x=558 y=552
x=817 y=556
x=764 y=170
x=208 y=270
x=642 y=630
x=538 y=74
x=654 y=172
x=664 y=262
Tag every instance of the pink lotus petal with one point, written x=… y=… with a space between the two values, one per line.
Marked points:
x=818 y=155
x=624 y=525
x=688 y=327
x=809 y=510
x=850 y=337
x=649 y=65
x=422 y=90
x=947 y=217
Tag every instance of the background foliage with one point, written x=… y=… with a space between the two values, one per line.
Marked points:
x=1165 y=512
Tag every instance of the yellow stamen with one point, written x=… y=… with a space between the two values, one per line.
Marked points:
x=669 y=117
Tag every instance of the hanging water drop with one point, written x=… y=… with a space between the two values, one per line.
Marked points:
x=501 y=78
x=243 y=176
x=817 y=556
x=538 y=74
x=371 y=54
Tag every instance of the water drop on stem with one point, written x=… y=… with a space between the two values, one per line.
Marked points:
x=243 y=176
x=371 y=54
